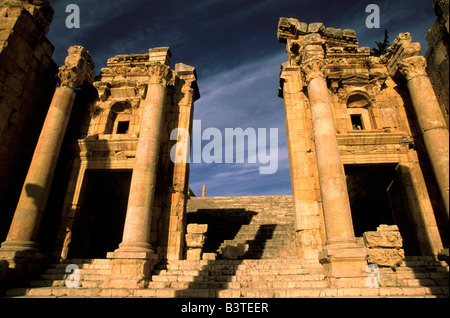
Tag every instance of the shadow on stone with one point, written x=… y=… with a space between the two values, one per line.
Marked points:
x=217 y=275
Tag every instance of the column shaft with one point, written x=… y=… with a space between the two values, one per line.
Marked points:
x=333 y=186
x=30 y=208
x=431 y=121
x=136 y=233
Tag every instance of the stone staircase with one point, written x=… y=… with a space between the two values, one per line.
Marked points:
x=417 y=273
x=92 y=273
x=268 y=269
x=265 y=223
x=265 y=278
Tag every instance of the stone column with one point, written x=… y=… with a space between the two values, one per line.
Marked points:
x=333 y=185
x=343 y=259
x=24 y=230
x=431 y=121
x=302 y=163
x=185 y=94
x=134 y=259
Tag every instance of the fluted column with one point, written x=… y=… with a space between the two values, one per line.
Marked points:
x=24 y=229
x=431 y=121
x=136 y=235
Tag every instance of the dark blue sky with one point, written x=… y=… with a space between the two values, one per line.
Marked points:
x=233 y=45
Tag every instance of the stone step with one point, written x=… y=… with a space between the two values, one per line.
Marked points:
x=234 y=272
x=86 y=261
x=416 y=277
x=238 y=264
x=81 y=271
x=238 y=285
x=62 y=283
x=85 y=277
x=394 y=292
x=81 y=266
x=238 y=278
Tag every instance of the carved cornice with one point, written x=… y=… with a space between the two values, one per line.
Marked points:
x=78 y=68
x=313 y=68
x=413 y=67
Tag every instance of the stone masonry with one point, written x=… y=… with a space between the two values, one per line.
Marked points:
x=87 y=179
x=27 y=81
x=345 y=108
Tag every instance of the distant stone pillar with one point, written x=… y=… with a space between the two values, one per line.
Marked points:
x=24 y=230
x=135 y=258
x=344 y=260
x=431 y=121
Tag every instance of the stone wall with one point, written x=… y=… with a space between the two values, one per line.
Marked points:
x=264 y=223
x=437 y=55
x=27 y=81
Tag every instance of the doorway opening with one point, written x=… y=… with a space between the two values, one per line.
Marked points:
x=100 y=225
x=367 y=188
x=377 y=197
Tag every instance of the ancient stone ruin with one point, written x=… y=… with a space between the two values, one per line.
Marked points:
x=86 y=177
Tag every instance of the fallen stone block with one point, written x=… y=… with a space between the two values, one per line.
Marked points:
x=390 y=239
x=385 y=257
x=195 y=240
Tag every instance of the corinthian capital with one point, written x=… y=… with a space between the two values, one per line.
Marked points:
x=412 y=67
x=313 y=68
x=159 y=73
x=77 y=69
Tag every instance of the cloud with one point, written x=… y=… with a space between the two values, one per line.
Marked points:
x=232 y=44
x=245 y=97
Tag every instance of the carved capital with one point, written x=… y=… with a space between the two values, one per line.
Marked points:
x=159 y=74
x=412 y=67
x=313 y=68
x=103 y=90
x=77 y=69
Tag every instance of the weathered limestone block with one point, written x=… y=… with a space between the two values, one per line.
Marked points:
x=234 y=251
x=131 y=272
x=194 y=254
x=385 y=257
x=384 y=246
x=209 y=256
x=390 y=239
x=316 y=27
x=195 y=240
x=197 y=228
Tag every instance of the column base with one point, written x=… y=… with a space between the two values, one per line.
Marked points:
x=23 y=257
x=345 y=264
x=130 y=269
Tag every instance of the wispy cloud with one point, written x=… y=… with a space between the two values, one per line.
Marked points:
x=232 y=44
x=235 y=101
